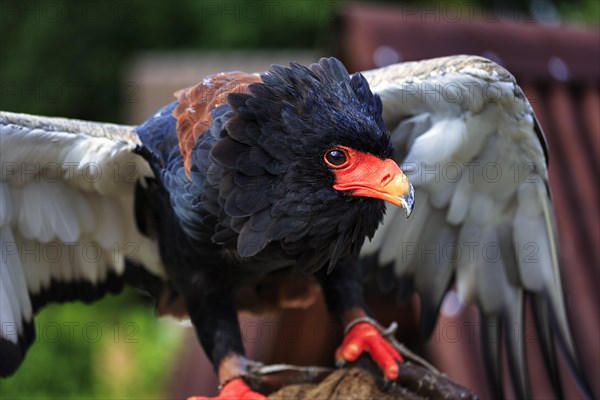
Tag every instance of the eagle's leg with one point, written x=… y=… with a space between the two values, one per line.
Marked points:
x=344 y=296
x=215 y=318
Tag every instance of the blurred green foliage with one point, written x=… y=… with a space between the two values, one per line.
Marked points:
x=67 y=57
x=114 y=348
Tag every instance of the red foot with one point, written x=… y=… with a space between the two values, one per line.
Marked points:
x=236 y=389
x=365 y=337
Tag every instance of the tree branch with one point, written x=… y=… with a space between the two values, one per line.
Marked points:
x=362 y=379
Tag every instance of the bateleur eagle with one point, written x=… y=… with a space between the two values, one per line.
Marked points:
x=248 y=175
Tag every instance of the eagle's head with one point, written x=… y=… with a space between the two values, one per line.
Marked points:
x=304 y=161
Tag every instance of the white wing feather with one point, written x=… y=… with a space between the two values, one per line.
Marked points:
x=66 y=208
x=466 y=137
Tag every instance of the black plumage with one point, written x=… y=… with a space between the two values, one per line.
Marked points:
x=260 y=197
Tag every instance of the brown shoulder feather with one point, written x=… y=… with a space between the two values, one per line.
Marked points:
x=196 y=103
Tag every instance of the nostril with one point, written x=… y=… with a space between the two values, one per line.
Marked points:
x=386 y=179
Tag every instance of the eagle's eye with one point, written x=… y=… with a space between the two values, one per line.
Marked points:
x=337 y=158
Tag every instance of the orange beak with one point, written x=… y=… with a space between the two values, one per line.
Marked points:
x=370 y=176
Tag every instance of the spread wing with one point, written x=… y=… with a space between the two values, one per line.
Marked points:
x=66 y=218
x=468 y=140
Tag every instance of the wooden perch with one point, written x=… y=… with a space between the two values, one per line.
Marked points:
x=359 y=380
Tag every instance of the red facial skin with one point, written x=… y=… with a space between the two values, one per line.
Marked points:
x=366 y=175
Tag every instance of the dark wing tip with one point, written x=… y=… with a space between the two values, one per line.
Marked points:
x=12 y=356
